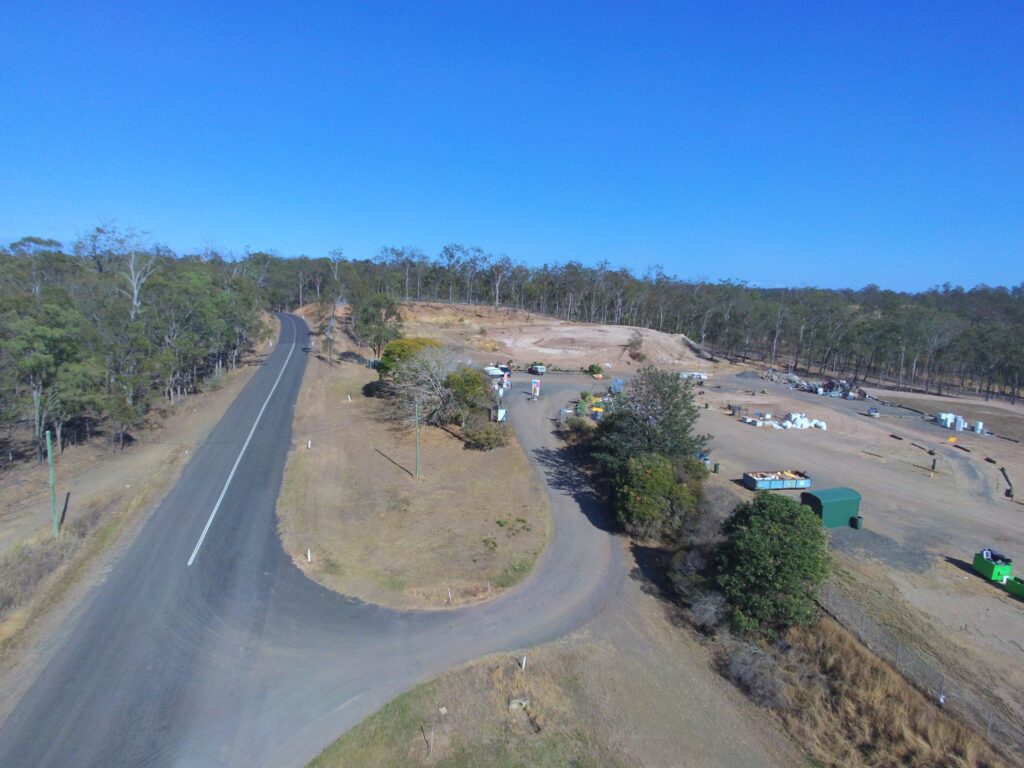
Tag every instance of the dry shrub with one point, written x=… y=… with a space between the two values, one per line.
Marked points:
x=486 y=436
x=576 y=431
x=709 y=611
x=759 y=674
x=853 y=709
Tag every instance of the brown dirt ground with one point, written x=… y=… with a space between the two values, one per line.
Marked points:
x=922 y=528
x=999 y=417
x=490 y=333
x=474 y=522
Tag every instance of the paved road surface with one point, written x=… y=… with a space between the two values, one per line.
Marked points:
x=238 y=659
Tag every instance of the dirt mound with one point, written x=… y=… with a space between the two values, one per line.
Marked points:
x=502 y=333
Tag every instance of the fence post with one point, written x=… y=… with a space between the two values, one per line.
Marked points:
x=863 y=619
x=899 y=649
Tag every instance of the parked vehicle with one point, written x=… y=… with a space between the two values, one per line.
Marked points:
x=538 y=369
x=873 y=413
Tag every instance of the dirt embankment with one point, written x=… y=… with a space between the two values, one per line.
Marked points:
x=473 y=523
x=496 y=333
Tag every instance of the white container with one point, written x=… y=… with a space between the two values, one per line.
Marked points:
x=979 y=428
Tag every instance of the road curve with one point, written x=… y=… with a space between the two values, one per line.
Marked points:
x=238 y=658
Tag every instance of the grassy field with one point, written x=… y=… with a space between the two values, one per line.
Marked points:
x=473 y=522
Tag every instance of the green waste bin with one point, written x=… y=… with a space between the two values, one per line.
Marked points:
x=995 y=567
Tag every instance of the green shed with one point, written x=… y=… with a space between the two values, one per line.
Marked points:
x=837 y=507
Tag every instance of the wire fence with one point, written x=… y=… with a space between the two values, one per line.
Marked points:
x=970 y=702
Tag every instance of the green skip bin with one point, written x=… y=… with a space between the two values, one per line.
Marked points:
x=993 y=566
x=1015 y=587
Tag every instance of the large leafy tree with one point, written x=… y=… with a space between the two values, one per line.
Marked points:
x=651 y=501
x=377 y=321
x=772 y=562
x=654 y=414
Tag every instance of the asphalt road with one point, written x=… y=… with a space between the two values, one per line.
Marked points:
x=238 y=659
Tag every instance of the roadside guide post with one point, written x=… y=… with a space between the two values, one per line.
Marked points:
x=53 y=490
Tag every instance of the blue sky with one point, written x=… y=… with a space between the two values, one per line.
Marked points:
x=832 y=144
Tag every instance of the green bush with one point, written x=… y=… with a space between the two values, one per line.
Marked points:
x=772 y=562
x=593 y=369
x=397 y=351
x=486 y=436
x=654 y=414
x=650 y=502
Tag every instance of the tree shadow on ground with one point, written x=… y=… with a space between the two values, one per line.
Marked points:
x=651 y=571
x=564 y=473
x=353 y=357
x=651 y=574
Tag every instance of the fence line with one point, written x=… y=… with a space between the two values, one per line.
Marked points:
x=926 y=672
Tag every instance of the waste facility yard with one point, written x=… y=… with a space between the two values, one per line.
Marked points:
x=921 y=528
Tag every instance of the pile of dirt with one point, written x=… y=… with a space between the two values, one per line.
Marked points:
x=510 y=334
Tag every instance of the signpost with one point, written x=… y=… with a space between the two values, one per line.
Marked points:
x=53 y=489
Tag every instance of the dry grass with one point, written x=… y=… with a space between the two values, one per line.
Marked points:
x=473 y=522
x=495 y=715
x=849 y=708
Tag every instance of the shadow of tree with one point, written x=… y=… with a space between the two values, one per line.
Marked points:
x=353 y=357
x=564 y=473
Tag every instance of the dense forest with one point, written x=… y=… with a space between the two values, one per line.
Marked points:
x=96 y=334
x=99 y=330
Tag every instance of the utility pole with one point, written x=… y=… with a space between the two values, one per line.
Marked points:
x=53 y=490
x=417 y=437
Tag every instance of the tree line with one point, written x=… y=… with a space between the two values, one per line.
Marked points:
x=940 y=340
x=95 y=334
x=102 y=328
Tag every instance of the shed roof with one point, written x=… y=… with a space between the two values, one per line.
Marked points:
x=827 y=495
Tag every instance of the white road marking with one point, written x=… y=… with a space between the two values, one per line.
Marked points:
x=241 y=453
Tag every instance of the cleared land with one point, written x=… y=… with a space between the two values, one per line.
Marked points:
x=999 y=417
x=496 y=333
x=909 y=569
x=473 y=522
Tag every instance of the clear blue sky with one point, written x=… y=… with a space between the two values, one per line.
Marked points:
x=814 y=143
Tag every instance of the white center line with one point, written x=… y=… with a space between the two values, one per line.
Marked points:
x=241 y=453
